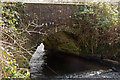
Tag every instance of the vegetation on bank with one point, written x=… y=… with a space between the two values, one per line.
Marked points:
x=95 y=30
x=98 y=28
x=13 y=52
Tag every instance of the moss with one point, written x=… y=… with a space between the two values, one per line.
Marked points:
x=62 y=41
x=71 y=35
x=48 y=43
x=69 y=48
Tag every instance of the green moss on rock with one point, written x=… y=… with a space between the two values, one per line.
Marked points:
x=62 y=42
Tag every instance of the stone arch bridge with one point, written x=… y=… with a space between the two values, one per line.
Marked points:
x=48 y=18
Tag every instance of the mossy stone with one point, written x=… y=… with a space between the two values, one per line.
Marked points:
x=62 y=42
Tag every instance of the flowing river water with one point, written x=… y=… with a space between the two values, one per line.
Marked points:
x=44 y=64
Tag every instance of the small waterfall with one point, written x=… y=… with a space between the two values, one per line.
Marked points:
x=37 y=60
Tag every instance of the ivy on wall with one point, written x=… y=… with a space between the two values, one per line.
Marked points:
x=12 y=42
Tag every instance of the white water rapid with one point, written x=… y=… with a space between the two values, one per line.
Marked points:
x=37 y=60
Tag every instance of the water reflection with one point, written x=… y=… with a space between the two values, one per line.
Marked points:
x=60 y=65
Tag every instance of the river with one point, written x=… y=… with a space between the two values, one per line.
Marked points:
x=45 y=64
